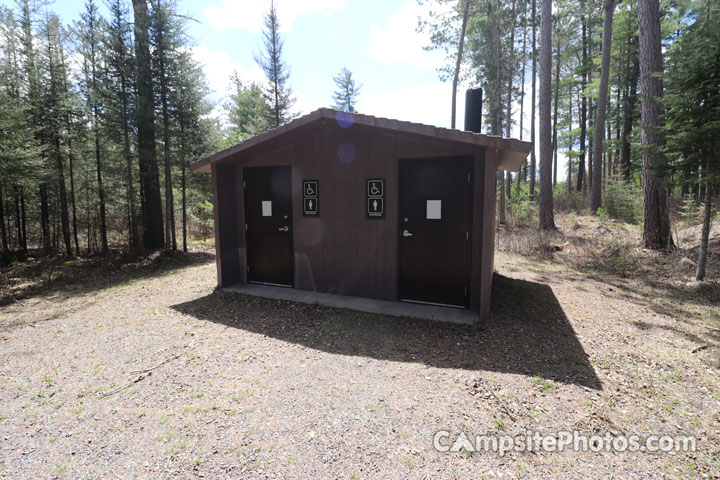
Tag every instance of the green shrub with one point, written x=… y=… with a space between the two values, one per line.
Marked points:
x=689 y=211
x=519 y=207
x=621 y=202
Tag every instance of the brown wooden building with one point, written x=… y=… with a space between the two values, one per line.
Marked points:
x=356 y=205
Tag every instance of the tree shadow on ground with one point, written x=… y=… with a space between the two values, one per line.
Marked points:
x=528 y=333
x=76 y=276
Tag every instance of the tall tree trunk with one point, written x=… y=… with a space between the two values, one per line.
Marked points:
x=511 y=75
x=96 y=133
x=23 y=220
x=656 y=224
x=628 y=108
x=183 y=184
x=3 y=232
x=704 y=238
x=68 y=140
x=618 y=123
x=532 y=108
x=72 y=192
x=61 y=196
x=64 y=221
x=132 y=223
x=149 y=174
x=170 y=241
x=458 y=61
x=583 y=105
x=547 y=218
x=555 y=110
x=18 y=223
x=588 y=184
x=570 y=149
x=522 y=72
x=520 y=174
x=496 y=125
x=101 y=189
x=45 y=220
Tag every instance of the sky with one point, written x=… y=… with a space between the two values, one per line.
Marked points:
x=377 y=40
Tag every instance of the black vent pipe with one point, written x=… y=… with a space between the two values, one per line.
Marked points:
x=473 y=109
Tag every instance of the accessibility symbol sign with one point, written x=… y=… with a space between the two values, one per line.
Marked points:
x=376 y=198
x=376 y=188
x=311 y=198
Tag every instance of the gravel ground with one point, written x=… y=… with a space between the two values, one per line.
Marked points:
x=144 y=371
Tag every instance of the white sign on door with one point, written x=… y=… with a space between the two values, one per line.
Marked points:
x=266 y=208
x=433 y=210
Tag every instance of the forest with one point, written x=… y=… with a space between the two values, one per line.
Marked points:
x=628 y=92
x=101 y=118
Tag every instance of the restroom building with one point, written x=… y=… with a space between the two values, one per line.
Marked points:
x=356 y=205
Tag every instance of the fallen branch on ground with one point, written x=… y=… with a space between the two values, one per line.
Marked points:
x=169 y=359
x=143 y=374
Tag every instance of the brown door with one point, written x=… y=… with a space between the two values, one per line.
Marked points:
x=268 y=217
x=434 y=213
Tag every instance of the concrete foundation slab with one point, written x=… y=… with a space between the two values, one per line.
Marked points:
x=383 y=307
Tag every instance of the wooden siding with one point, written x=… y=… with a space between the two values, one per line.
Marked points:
x=226 y=237
x=341 y=251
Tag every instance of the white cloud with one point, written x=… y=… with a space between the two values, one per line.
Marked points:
x=426 y=103
x=248 y=14
x=218 y=69
x=304 y=104
x=399 y=40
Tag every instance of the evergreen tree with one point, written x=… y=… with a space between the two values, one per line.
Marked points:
x=145 y=118
x=89 y=30
x=345 y=97
x=595 y=195
x=547 y=219
x=54 y=117
x=188 y=108
x=278 y=94
x=118 y=98
x=692 y=100
x=167 y=37
x=656 y=218
x=247 y=110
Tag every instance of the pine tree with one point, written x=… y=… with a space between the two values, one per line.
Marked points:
x=596 y=193
x=166 y=39
x=19 y=152
x=656 y=218
x=90 y=30
x=54 y=118
x=145 y=118
x=188 y=107
x=345 y=97
x=118 y=99
x=277 y=92
x=692 y=99
x=547 y=219
x=246 y=109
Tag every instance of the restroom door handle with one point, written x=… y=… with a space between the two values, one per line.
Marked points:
x=284 y=229
x=406 y=233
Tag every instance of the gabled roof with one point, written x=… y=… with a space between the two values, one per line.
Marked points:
x=511 y=152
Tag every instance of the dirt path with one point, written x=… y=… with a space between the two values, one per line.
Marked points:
x=157 y=376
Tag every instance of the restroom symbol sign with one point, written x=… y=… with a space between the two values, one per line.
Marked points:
x=376 y=198
x=311 y=195
x=376 y=207
x=310 y=207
